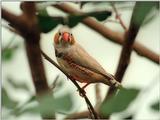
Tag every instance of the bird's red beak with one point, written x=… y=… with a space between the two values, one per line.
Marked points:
x=65 y=36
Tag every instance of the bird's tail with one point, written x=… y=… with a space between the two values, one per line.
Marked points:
x=112 y=82
x=116 y=84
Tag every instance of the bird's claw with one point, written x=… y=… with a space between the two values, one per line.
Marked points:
x=82 y=92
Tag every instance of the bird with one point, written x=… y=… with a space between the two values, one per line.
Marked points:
x=77 y=63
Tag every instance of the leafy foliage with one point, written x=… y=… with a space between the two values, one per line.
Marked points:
x=17 y=85
x=151 y=15
x=8 y=53
x=156 y=106
x=120 y=102
x=75 y=19
x=48 y=105
x=48 y=23
x=100 y=15
x=141 y=11
x=7 y=101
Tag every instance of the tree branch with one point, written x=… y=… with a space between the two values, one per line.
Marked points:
x=80 y=115
x=12 y=18
x=128 y=44
x=82 y=92
x=11 y=29
x=98 y=96
x=109 y=34
x=26 y=24
x=85 y=114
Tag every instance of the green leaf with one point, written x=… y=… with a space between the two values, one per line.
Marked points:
x=73 y=20
x=43 y=12
x=8 y=53
x=141 y=10
x=17 y=84
x=20 y=109
x=120 y=102
x=7 y=101
x=156 y=106
x=48 y=104
x=151 y=16
x=59 y=104
x=100 y=15
x=47 y=23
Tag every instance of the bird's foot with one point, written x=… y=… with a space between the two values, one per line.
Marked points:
x=82 y=92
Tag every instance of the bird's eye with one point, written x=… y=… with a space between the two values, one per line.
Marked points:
x=71 y=34
x=60 y=33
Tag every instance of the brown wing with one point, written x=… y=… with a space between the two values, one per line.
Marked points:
x=82 y=58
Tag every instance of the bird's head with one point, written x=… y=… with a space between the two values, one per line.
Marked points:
x=64 y=37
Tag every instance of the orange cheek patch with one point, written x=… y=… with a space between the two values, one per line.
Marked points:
x=56 y=37
x=72 y=40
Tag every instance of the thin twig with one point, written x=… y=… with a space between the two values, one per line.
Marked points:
x=55 y=82
x=110 y=34
x=85 y=114
x=82 y=92
x=118 y=16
